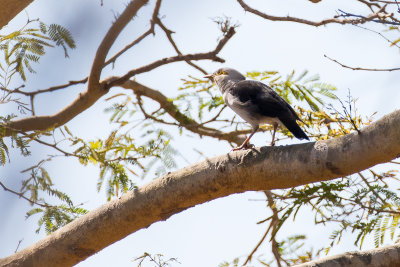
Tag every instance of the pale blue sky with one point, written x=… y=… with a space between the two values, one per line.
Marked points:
x=225 y=228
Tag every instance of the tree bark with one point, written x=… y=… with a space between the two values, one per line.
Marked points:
x=263 y=168
x=10 y=8
x=380 y=257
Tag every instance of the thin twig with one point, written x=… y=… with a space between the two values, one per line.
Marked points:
x=140 y=38
x=274 y=223
x=336 y=19
x=215 y=117
x=250 y=256
x=359 y=68
x=39 y=141
x=212 y=55
x=378 y=17
x=50 y=89
x=385 y=2
x=384 y=37
x=19 y=243
x=21 y=195
x=371 y=188
x=148 y=116
x=126 y=48
x=169 y=33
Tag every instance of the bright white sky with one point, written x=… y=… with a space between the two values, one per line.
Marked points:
x=225 y=228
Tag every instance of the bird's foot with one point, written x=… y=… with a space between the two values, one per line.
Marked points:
x=243 y=147
x=272 y=143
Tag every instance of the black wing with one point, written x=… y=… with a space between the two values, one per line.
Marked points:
x=266 y=102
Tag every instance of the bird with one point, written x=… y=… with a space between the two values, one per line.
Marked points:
x=256 y=103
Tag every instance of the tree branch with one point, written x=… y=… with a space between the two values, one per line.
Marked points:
x=21 y=195
x=169 y=33
x=264 y=168
x=109 y=39
x=10 y=8
x=359 y=68
x=379 y=257
x=212 y=55
x=126 y=48
x=274 y=224
x=274 y=221
x=83 y=102
x=47 y=90
x=336 y=19
x=184 y=121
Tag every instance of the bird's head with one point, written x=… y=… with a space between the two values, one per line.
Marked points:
x=225 y=74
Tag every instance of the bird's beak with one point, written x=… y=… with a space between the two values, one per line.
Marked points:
x=208 y=76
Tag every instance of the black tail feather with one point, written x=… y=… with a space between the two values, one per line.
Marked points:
x=294 y=128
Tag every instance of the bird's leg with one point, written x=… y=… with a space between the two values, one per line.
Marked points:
x=245 y=144
x=273 y=134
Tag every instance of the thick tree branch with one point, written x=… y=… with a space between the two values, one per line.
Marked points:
x=140 y=38
x=10 y=8
x=264 y=168
x=109 y=39
x=388 y=256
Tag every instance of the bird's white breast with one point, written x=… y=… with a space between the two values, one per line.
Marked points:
x=238 y=107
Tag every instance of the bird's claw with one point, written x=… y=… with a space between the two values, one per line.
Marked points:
x=249 y=146
x=243 y=147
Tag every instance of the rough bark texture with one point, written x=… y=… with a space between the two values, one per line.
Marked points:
x=262 y=168
x=382 y=257
x=10 y=8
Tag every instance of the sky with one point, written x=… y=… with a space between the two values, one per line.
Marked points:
x=223 y=229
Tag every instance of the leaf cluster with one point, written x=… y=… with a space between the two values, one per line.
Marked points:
x=291 y=252
x=25 y=46
x=119 y=155
x=52 y=217
x=157 y=260
x=362 y=204
x=16 y=141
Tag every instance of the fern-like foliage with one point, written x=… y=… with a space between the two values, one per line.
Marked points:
x=15 y=141
x=156 y=260
x=119 y=156
x=60 y=35
x=52 y=217
x=362 y=204
x=25 y=46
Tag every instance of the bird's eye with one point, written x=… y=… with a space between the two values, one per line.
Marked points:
x=221 y=72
